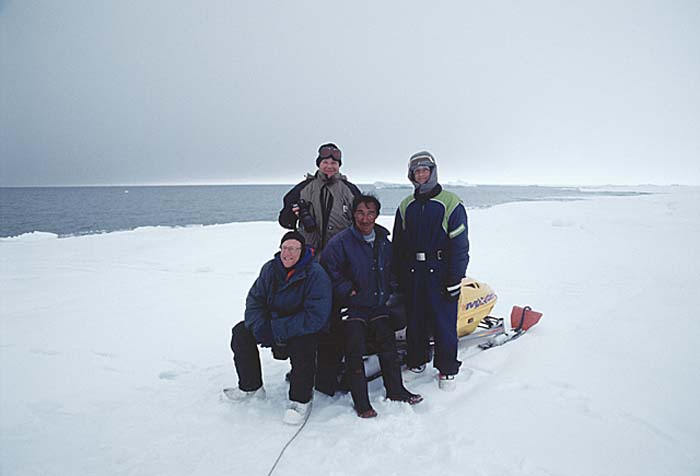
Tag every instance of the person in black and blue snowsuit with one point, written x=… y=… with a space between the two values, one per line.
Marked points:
x=286 y=307
x=431 y=250
x=358 y=261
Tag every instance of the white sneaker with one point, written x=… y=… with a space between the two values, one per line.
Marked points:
x=447 y=383
x=238 y=395
x=296 y=413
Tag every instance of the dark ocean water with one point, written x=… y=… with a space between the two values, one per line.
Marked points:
x=68 y=211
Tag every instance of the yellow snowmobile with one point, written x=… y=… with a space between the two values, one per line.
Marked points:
x=475 y=324
x=476 y=300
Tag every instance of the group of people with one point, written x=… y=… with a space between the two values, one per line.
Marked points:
x=326 y=296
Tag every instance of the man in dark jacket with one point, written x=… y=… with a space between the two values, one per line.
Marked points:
x=358 y=261
x=431 y=243
x=287 y=306
x=319 y=207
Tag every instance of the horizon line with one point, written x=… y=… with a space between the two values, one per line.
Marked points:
x=456 y=183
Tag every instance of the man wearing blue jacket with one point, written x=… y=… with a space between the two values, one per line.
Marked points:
x=432 y=247
x=286 y=307
x=358 y=261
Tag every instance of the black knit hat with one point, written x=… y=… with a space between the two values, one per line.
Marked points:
x=294 y=235
x=329 y=151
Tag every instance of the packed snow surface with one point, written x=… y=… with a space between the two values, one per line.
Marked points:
x=114 y=350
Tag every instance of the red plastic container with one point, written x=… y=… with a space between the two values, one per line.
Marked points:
x=523 y=318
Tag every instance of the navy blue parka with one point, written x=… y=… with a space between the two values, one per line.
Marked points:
x=286 y=303
x=354 y=264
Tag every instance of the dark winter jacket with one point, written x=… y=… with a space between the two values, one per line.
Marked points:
x=435 y=224
x=330 y=202
x=288 y=303
x=354 y=264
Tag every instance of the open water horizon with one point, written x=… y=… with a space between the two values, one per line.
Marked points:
x=71 y=211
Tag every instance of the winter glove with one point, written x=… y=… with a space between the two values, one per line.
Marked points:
x=279 y=351
x=263 y=335
x=452 y=291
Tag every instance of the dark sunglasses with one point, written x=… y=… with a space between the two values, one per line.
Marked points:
x=329 y=152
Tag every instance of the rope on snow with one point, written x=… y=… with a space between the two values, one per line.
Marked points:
x=308 y=414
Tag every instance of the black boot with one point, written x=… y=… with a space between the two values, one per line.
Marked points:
x=391 y=373
x=358 y=390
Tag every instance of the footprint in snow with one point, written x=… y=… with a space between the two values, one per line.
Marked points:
x=168 y=375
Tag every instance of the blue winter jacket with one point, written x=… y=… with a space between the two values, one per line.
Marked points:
x=434 y=224
x=283 y=303
x=354 y=264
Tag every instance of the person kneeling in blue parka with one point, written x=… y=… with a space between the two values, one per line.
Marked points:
x=286 y=307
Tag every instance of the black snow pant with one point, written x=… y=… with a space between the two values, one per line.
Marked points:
x=380 y=333
x=330 y=355
x=302 y=355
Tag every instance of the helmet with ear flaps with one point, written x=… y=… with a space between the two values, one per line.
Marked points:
x=419 y=160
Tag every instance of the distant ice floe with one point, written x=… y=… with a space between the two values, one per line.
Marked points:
x=459 y=183
x=389 y=185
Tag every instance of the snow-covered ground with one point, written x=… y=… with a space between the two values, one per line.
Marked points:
x=114 y=351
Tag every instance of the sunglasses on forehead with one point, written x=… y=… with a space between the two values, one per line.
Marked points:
x=329 y=152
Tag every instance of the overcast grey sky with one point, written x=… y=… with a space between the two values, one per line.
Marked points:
x=173 y=91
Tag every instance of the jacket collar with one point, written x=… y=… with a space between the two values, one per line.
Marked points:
x=326 y=179
x=304 y=262
x=433 y=192
x=380 y=231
